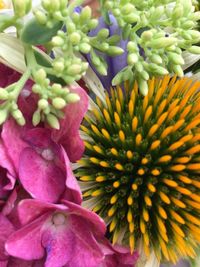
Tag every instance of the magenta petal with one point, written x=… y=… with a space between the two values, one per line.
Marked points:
x=59 y=243
x=73 y=191
x=26 y=242
x=38 y=137
x=12 y=139
x=96 y=224
x=68 y=135
x=6 y=228
x=41 y=178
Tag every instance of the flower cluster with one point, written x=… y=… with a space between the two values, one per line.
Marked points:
x=41 y=220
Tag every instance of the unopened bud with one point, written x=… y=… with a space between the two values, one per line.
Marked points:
x=40 y=76
x=36 y=118
x=58 y=66
x=43 y=104
x=86 y=13
x=132 y=59
x=156 y=59
x=72 y=98
x=3 y=94
x=178 y=70
x=163 y=42
x=21 y=7
x=57 y=41
x=177 y=11
x=194 y=50
x=147 y=35
x=127 y=9
x=40 y=17
x=17 y=114
x=3 y=115
x=176 y=58
x=114 y=51
x=53 y=121
x=103 y=34
x=74 y=69
x=143 y=87
x=75 y=38
x=132 y=18
x=85 y=48
x=58 y=103
x=93 y=23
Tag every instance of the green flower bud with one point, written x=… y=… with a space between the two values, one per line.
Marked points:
x=21 y=121
x=75 y=38
x=92 y=24
x=178 y=70
x=84 y=66
x=196 y=16
x=40 y=17
x=56 y=88
x=84 y=48
x=163 y=42
x=157 y=69
x=177 y=11
x=104 y=47
x=194 y=34
x=3 y=115
x=86 y=14
x=17 y=114
x=188 y=24
x=116 y=12
x=156 y=59
x=46 y=4
x=132 y=18
x=36 y=88
x=71 y=27
x=143 y=87
x=118 y=79
x=138 y=66
x=194 y=49
x=176 y=58
x=147 y=35
x=132 y=47
x=127 y=9
x=132 y=59
x=58 y=103
x=53 y=121
x=40 y=76
x=103 y=34
x=75 y=17
x=72 y=98
x=3 y=94
x=21 y=7
x=55 y=5
x=58 y=66
x=115 y=51
x=36 y=118
x=144 y=75
x=57 y=41
x=102 y=69
x=74 y=69
x=43 y=104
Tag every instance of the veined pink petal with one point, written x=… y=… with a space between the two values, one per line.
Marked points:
x=68 y=135
x=41 y=178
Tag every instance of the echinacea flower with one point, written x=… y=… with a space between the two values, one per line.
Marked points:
x=140 y=170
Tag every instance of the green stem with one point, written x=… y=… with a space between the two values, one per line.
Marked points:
x=20 y=84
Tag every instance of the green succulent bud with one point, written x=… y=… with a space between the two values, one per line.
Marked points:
x=194 y=49
x=92 y=24
x=74 y=69
x=3 y=94
x=132 y=47
x=86 y=14
x=40 y=76
x=53 y=121
x=156 y=59
x=36 y=118
x=127 y=9
x=3 y=115
x=21 y=121
x=43 y=104
x=147 y=35
x=40 y=17
x=75 y=38
x=143 y=87
x=163 y=42
x=103 y=34
x=194 y=34
x=84 y=48
x=132 y=18
x=177 y=12
x=17 y=114
x=57 y=41
x=178 y=70
x=114 y=51
x=59 y=66
x=72 y=98
x=56 y=88
x=46 y=4
x=176 y=58
x=21 y=7
x=58 y=103
x=102 y=69
x=36 y=89
x=132 y=59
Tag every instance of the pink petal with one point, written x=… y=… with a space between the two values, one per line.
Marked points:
x=73 y=191
x=96 y=224
x=59 y=243
x=41 y=178
x=6 y=228
x=26 y=242
x=68 y=135
x=12 y=139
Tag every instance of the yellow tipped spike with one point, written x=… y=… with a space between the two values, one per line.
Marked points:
x=177 y=168
x=119 y=167
x=166 y=132
x=111 y=211
x=196 y=183
x=186 y=138
x=97 y=208
x=155 y=172
x=94 y=160
x=155 y=145
x=184 y=179
x=113 y=199
x=131 y=227
x=151 y=188
x=99 y=103
x=164 y=198
x=161 y=225
x=153 y=130
x=131 y=108
x=148 y=201
x=129 y=154
x=116 y=184
x=98 y=150
x=173 y=113
x=145 y=215
x=177 y=229
x=192 y=219
x=105 y=134
x=109 y=105
x=118 y=107
x=144 y=161
x=97 y=193
x=100 y=179
x=120 y=94
x=130 y=201
x=164 y=248
x=192 y=125
x=114 y=151
x=115 y=236
x=178 y=203
x=162 y=118
x=85 y=129
x=175 y=146
x=122 y=136
x=95 y=130
x=177 y=125
x=97 y=114
x=88 y=145
x=138 y=139
x=170 y=183
x=182 y=160
x=161 y=107
x=177 y=217
x=132 y=243
x=193 y=150
x=193 y=167
x=183 y=190
x=185 y=112
x=129 y=216
x=106 y=116
x=146 y=250
x=134 y=124
x=141 y=171
x=113 y=224
x=195 y=197
x=146 y=238
x=165 y=159
x=104 y=164
x=117 y=119
x=145 y=103
x=134 y=187
x=142 y=226
x=162 y=212
x=86 y=178
x=148 y=114
x=194 y=204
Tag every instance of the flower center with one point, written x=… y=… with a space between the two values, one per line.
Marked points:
x=48 y=154
x=140 y=170
x=59 y=219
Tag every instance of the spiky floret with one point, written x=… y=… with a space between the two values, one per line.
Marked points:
x=141 y=167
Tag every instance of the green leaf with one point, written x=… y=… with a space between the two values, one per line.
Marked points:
x=36 y=34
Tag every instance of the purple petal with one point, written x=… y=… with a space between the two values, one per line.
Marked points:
x=41 y=178
x=26 y=242
x=68 y=135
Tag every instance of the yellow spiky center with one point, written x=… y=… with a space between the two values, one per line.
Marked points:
x=141 y=166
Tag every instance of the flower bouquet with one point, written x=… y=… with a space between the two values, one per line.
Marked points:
x=100 y=137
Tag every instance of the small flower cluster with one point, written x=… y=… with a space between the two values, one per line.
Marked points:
x=42 y=222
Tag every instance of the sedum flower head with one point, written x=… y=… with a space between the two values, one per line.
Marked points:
x=140 y=170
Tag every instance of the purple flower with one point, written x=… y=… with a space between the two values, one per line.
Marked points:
x=65 y=234
x=117 y=63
